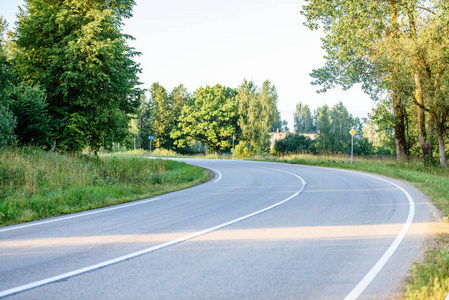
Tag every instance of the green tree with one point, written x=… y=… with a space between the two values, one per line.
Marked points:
x=30 y=108
x=363 y=45
x=269 y=116
x=162 y=117
x=211 y=118
x=342 y=123
x=76 y=51
x=178 y=98
x=431 y=51
x=7 y=119
x=302 y=117
x=324 y=129
x=6 y=69
x=249 y=108
x=145 y=122
x=166 y=109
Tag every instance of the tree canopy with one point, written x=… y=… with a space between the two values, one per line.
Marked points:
x=211 y=118
x=390 y=47
x=76 y=51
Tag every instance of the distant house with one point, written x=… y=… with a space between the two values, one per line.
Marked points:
x=274 y=136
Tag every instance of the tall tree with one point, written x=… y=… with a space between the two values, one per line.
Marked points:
x=433 y=67
x=363 y=45
x=324 y=129
x=268 y=97
x=258 y=113
x=166 y=109
x=178 y=98
x=303 y=119
x=249 y=109
x=210 y=118
x=145 y=122
x=77 y=52
x=8 y=121
x=162 y=116
x=342 y=123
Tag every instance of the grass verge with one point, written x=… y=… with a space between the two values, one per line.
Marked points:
x=35 y=184
x=430 y=279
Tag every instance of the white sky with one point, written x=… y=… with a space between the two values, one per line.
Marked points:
x=208 y=42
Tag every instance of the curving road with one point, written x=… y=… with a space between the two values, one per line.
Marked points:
x=256 y=231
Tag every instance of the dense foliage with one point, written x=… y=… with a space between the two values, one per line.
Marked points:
x=398 y=51
x=75 y=83
x=211 y=119
x=215 y=118
x=330 y=129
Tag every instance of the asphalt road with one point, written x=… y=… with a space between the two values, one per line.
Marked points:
x=256 y=231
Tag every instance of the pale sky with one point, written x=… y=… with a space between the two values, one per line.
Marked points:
x=208 y=42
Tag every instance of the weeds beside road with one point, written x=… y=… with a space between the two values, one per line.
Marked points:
x=35 y=184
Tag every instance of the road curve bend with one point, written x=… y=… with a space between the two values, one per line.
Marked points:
x=257 y=231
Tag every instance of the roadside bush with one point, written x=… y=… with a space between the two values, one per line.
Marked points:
x=28 y=104
x=293 y=143
x=243 y=150
x=7 y=126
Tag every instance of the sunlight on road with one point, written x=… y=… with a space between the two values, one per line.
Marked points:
x=262 y=234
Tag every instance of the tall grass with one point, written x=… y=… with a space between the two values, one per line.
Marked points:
x=35 y=184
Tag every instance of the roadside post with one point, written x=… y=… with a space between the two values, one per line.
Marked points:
x=151 y=138
x=352 y=132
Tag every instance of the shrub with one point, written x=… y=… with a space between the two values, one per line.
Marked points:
x=293 y=143
x=243 y=150
x=29 y=105
x=7 y=126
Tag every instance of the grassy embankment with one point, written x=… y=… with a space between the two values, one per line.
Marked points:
x=429 y=280
x=35 y=184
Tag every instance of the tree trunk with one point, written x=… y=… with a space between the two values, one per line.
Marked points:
x=440 y=128
x=424 y=140
x=398 y=105
x=426 y=144
x=399 y=129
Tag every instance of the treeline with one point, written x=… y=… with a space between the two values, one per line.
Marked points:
x=215 y=117
x=67 y=76
x=399 y=52
x=327 y=131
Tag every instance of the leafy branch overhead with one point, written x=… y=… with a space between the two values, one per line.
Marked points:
x=398 y=50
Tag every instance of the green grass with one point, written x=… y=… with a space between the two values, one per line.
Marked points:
x=35 y=184
x=428 y=280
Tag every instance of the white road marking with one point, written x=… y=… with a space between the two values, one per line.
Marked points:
x=369 y=277
x=148 y=250
x=98 y=211
x=215 y=171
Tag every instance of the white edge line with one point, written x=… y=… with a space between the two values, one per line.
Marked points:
x=369 y=277
x=79 y=215
x=214 y=170
x=35 y=284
